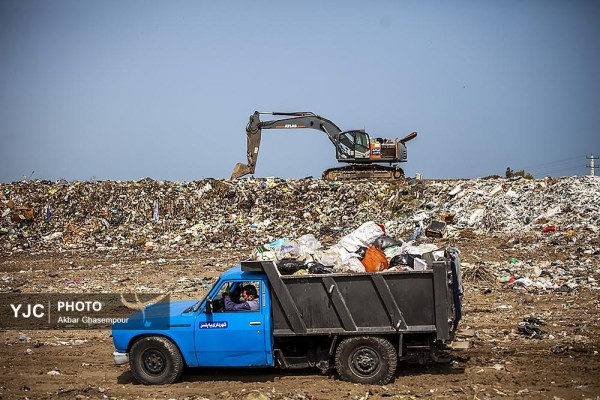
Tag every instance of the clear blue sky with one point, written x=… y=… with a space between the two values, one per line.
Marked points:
x=163 y=89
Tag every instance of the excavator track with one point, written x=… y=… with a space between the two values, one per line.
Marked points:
x=364 y=171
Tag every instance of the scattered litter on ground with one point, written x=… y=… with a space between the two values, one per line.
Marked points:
x=530 y=327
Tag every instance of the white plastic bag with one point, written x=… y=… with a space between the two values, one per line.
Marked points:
x=363 y=236
x=350 y=264
x=329 y=257
x=288 y=250
x=420 y=250
x=309 y=243
x=347 y=261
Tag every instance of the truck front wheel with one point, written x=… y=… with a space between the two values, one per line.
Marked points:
x=366 y=359
x=155 y=360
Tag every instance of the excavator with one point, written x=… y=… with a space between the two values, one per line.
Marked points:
x=355 y=147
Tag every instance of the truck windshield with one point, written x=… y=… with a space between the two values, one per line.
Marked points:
x=196 y=305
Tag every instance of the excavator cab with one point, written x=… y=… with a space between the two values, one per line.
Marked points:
x=353 y=145
x=358 y=147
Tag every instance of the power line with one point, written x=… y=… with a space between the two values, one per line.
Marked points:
x=570 y=167
x=554 y=162
x=565 y=167
x=557 y=172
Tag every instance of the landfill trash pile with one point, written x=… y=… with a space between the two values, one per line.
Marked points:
x=150 y=215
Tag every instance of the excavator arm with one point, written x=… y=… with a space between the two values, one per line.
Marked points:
x=296 y=120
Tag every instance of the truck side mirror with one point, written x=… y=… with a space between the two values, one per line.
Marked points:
x=209 y=307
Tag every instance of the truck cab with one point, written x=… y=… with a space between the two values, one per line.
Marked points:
x=205 y=334
x=234 y=338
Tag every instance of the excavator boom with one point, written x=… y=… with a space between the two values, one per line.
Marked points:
x=296 y=120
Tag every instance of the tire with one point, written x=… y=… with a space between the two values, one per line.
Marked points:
x=155 y=360
x=366 y=359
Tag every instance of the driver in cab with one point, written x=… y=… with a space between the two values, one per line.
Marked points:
x=248 y=300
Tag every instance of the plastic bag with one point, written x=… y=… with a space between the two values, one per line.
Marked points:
x=392 y=251
x=288 y=249
x=289 y=267
x=404 y=259
x=346 y=262
x=349 y=264
x=375 y=260
x=420 y=250
x=385 y=241
x=399 y=261
x=363 y=236
x=263 y=253
x=309 y=243
x=276 y=243
x=329 y=257
x=317 y=268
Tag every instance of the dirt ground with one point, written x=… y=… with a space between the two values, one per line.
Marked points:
x=501 y=363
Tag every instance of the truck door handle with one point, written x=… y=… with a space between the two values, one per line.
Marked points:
x=255 y=322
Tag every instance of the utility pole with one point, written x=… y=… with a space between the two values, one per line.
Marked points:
x=591 y=164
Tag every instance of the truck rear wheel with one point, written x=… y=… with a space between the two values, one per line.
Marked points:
x=155 y=360
x=366 y=359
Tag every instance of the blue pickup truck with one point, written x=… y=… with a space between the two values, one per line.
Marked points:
x=361 y=325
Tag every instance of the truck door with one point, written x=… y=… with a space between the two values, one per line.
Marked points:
x=233 y=338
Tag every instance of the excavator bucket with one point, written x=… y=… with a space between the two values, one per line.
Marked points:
x=240 y=170
x=253 y=134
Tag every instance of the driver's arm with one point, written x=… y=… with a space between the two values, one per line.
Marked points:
x=230 y=305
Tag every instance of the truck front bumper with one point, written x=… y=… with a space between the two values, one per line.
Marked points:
x=121 y=358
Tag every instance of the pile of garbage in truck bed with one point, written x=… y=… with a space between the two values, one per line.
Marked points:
x=366 y=249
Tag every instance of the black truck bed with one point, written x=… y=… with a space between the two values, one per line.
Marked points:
x=374 y=303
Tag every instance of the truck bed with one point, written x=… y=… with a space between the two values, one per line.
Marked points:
x=373 y=303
